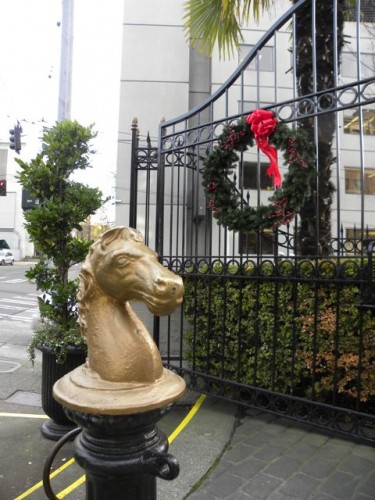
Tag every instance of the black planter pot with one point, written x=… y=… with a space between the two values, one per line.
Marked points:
x=59 y=424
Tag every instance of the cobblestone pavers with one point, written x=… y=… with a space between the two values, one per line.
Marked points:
x=270 y=458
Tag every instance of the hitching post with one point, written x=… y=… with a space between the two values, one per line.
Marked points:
x=122 y=390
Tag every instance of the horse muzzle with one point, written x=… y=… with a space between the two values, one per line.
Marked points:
x=168 y=293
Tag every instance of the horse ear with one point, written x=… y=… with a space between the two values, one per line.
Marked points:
x=135 y=235
x=109 y=236
x=120 y=232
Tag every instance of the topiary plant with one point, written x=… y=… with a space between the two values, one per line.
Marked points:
x=64 y=204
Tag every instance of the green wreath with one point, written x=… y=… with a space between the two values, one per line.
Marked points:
x=224 y=199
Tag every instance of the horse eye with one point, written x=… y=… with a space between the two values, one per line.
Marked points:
x=122 y=261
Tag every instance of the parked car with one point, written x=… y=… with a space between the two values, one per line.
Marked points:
x=6 y=257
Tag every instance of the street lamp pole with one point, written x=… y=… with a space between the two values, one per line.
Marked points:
x=66 y=60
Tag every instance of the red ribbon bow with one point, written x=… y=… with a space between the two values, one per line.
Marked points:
x=262 y=124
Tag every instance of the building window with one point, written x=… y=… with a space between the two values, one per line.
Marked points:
x=254 y=243
x=352 y=123
x=355 y=234
x=248 y=106
x=367 y=11
x=358 y=240
x=353 y=181
x=349 y=65
x=264 y=61
x=252 y=171
x=3 y=163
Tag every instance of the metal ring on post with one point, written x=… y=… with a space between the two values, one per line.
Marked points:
x=163 y=465
x=47 y=466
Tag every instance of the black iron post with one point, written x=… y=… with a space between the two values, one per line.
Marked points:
x=123 y=454
x=122 y=390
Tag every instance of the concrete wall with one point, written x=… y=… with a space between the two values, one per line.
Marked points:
x=154 y=79
x=11 y=214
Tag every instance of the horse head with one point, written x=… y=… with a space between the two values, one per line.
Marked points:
x=124 y=369
x=126 y=269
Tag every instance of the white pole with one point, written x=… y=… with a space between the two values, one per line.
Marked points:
x=66 y=60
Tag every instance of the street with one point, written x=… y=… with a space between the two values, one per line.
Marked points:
x=18 y=296
x=21 y=414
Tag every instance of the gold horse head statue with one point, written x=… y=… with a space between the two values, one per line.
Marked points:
x=118 y=269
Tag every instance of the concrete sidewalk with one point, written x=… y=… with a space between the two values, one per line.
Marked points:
x=272 y=458
x=222 y=455
x=24 y=451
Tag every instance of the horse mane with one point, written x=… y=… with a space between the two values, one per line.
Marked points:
x=88 y=285
x=86 y=290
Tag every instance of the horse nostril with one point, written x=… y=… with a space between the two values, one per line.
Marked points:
x=165 y=285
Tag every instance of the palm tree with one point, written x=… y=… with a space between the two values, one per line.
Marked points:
x=315 y=226
x=208 y=22
x=211 y=21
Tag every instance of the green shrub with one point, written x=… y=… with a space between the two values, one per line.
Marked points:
x=293 y=336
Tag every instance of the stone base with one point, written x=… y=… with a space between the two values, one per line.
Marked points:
x=82 y=390
x=54 y=431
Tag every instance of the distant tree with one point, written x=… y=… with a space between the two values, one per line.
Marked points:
x=92 y=231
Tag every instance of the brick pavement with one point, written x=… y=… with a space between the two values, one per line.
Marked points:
x=267 y=458
x=271 y=458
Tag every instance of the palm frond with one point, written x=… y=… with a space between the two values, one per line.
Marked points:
x=209 y=21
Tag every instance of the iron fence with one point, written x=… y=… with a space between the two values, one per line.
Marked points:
x=266 y=321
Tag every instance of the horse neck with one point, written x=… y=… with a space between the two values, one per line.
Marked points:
x=110 y=316
x=120 y=349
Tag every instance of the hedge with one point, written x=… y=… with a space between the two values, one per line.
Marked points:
x=294 y=336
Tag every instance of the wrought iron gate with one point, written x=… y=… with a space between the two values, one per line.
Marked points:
x=266 y=322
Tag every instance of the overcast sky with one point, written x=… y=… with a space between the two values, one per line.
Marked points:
x=30 y=41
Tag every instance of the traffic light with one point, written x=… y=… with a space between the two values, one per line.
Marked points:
x=28 y=202
x=15 y=138
x=3 y=188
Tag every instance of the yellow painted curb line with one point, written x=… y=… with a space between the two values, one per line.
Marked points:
x=81 y=480
x=22 y=415
x=187 y=419
x=40 y=484
x=72 y=487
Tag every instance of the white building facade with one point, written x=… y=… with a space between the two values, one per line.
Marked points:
x=162 y=78
x=12 y=228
